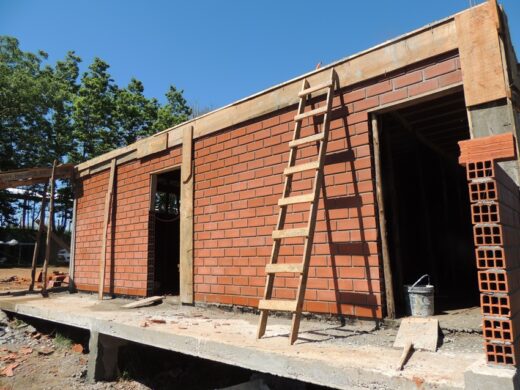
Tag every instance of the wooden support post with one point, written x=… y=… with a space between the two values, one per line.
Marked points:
x=38 y=237
x=186 y=222
x=389 y=180
x=73 y=243
x=108 y=204
x=387 y=268
x=49 y=231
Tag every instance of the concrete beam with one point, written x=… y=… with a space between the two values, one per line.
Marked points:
x=332 y=364
x=483 y=377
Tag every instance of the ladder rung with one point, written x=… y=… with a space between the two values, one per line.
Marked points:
x=268 y=304
x=296 y=199
x=316 y=111
x=317 y=87
x=288 y=233
x=292 y=267
x=306 y=140
x=302 y=167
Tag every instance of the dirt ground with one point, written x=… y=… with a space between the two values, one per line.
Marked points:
x=20 y=278
x=30 y=359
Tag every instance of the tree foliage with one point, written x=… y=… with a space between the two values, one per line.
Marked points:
x=50 y=111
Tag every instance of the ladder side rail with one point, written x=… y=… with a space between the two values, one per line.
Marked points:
x=268 y=291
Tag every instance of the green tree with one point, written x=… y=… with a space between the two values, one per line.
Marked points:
x=93 y=105
x=48 y=112
x=135 y=114
x=174 y=112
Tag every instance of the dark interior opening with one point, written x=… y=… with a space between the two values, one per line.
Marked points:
x=166 y=210
x=426 y=201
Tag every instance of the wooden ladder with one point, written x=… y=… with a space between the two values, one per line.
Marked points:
x=267 y=304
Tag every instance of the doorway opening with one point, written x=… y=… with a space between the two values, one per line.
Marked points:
x=426 y=202
x=165 y=211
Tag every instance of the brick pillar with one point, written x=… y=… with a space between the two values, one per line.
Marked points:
x=495 y=211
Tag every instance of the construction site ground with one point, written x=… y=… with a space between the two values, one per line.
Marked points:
x=45 y=357
x=357 y=355
x=19 y=278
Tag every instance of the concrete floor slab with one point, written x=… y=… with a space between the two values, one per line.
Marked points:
x=357 y=356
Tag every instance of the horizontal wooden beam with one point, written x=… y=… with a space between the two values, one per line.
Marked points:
x=416 y=46
x=30 y=176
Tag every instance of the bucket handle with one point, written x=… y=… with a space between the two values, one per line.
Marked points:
x=421 y=278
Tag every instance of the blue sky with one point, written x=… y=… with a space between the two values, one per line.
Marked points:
x=218 y=51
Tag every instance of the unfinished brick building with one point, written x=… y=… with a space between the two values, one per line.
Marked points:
x=194 y=207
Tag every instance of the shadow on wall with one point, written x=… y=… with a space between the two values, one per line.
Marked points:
x=349 y=302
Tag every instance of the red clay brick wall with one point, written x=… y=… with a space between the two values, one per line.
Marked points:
x=238 y=181
x=131 y=270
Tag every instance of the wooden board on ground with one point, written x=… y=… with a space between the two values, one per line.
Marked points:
x=143 y=302
x=423 y=333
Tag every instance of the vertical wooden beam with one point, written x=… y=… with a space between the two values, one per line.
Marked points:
x=38 y=237
x=49 y=232
x=73 y=243
x=108 y=204
x=387 y=268
x=186 y=222
x=480 y=54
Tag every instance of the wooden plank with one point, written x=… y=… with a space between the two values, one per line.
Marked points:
x=288 y=233
x=38 y=238
x=495 y=13
x=143 y=302
x=154 y=145
x=186 y=222
x=296 y=199
x=410 y=48
x=108 y=208
x=315 y=88
x=277 y=305
x=302 y=167
x=387 y=268
x=49 y=230
x=106 y=165
x=480 y=55
x=288 y=267
x=315 y=112
x=404 y=355
x=306 y=140
x=63 y=170
x=72 y=261
x=107 y=157
x=27 y=177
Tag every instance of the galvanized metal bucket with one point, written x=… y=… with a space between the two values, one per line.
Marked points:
x=419 y=299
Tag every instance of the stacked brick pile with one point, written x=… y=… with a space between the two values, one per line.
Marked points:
x=495 y=210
